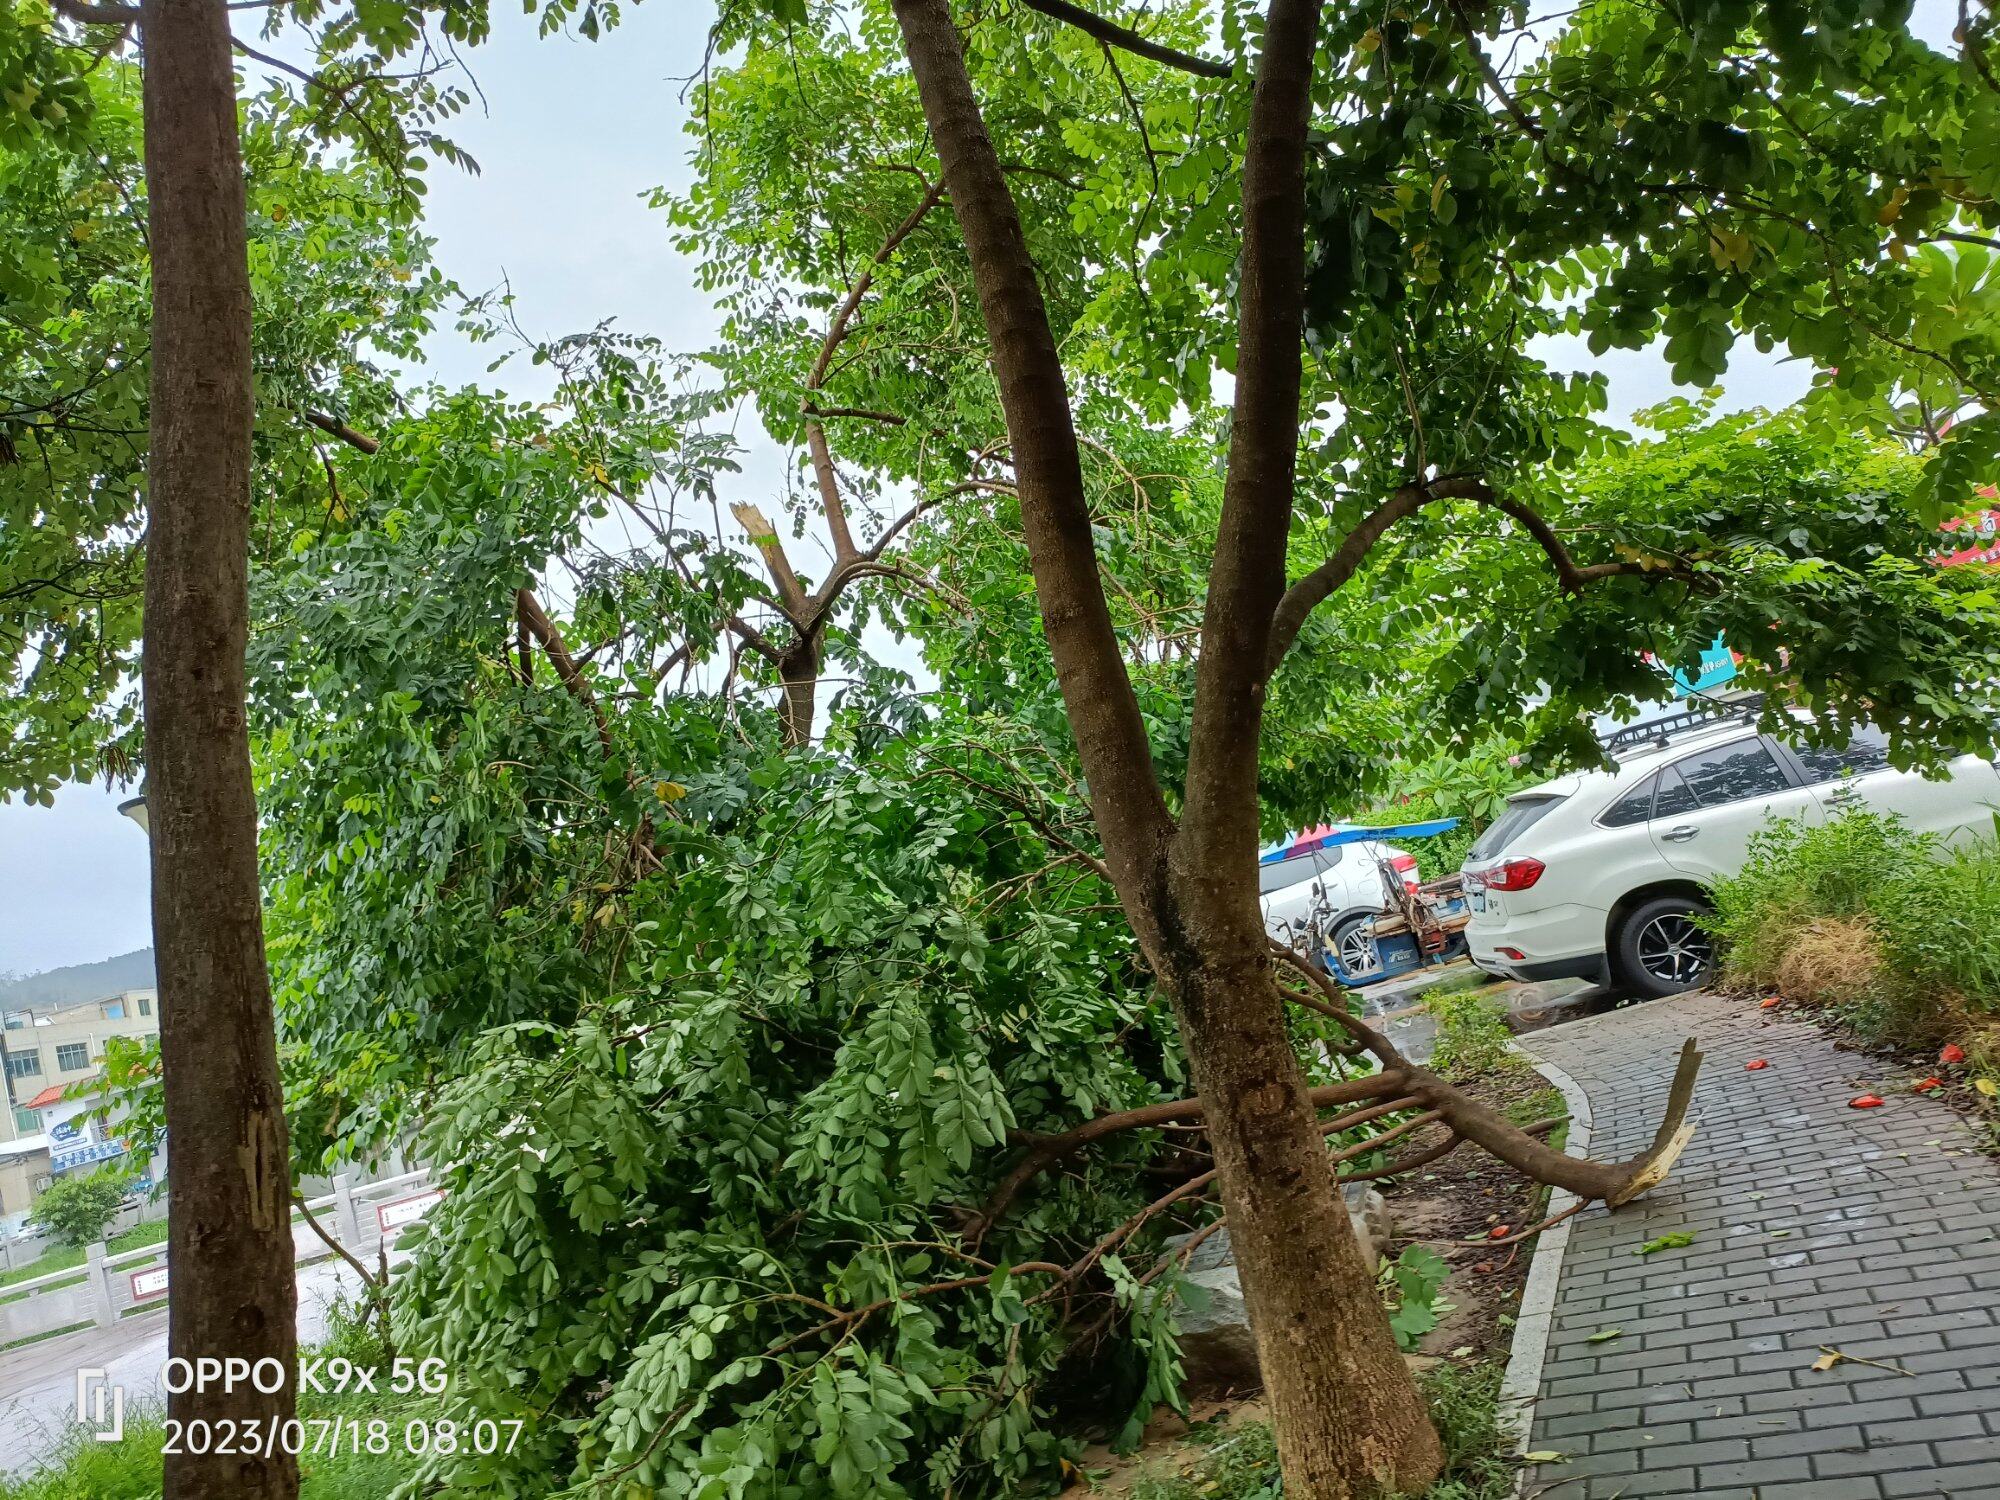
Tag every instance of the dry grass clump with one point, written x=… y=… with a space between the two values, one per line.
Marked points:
x=1826 y=962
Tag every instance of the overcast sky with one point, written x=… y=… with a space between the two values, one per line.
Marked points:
x=574 y=136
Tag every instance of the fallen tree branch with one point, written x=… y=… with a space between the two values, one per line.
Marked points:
x=1336 y=1005
x=1533 y=1229
x=857 y=1315
x=1614 y=1182
x=1430 y=1154
x=1044 y=1151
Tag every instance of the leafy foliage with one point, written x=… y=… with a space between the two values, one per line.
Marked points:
x=338 y=285
x=78 y=1207
x=1888 y=930
x=1411 y=1283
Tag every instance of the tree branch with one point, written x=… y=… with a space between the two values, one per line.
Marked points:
x=1046 y=1150
x=861 y=413
x=1303 y=597
x=764 y=537
x=1126 y=39
x=1322 y=582
x=339 y=429
x=1218 y=838
x=537 y=622
x=836 y=334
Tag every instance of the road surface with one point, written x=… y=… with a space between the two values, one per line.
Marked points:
x=38 y=1381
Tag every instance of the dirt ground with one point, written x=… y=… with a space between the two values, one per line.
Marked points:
x=1467 y=1194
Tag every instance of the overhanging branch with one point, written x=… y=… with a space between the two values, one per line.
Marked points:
x=1126 y=39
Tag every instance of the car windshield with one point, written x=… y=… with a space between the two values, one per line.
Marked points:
x=1522 y=814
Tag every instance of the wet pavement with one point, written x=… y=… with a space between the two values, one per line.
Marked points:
x=1794 y=1225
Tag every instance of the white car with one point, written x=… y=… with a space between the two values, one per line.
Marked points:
x=1336 y=889
x=1600 y=874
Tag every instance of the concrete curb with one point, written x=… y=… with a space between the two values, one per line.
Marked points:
x=1522 y=1384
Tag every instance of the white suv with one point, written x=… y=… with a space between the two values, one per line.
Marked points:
x=1599 y=874
x=1336 y=890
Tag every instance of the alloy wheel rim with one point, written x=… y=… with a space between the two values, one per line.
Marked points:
x=1357 y=950
x=1674 y=950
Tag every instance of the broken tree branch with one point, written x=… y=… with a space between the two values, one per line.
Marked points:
x=1045 y=1151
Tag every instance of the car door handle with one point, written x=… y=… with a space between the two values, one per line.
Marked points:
x=1680 y=833
x=1842 y=797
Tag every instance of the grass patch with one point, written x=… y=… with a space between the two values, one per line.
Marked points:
x=81 y=1468
x=1472 y=1035
x=1879 y=926
x=1242 y=1463
x=62 y=1257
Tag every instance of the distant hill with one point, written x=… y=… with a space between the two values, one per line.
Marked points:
x=53 y=987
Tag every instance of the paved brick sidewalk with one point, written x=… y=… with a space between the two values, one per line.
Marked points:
x=1814 y=1224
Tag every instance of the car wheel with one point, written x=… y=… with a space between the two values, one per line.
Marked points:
x=1354 y=946
x=1661 y=950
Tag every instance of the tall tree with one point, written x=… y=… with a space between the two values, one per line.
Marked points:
x=1349 y=1419
x=229 y=1237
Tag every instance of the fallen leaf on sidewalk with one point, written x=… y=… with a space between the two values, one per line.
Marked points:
x=1678 y=1240
x=1755 y=1065
x=1987 y=1087
x=1830 y=1356
x=1545 y=1456
x=1604 y=1335
x=1952 y=1053
x=1925 y=1085
x=1865 y=1101
x=1772 y=1003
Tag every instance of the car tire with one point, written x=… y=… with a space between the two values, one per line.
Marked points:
x=1351 y=936
x=1660 y=951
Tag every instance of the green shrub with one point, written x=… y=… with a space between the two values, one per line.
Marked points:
x=1472 y=1035
x=1876 y=921
x=76 y=1210
x=1938 y=923
x=1797 y=874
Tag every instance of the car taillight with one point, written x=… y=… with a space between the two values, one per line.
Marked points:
x=1514 y=874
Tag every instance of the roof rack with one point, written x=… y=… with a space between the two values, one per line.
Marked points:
x=1705 y=713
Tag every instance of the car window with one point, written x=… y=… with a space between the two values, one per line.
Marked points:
x=1676 y=797
x=1724 y=774
x=1867 y=751
x=1302 y=867
x=1522 y=814
x=1634 y=807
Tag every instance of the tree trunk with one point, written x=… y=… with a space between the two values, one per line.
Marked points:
x=1348 y=1417
x=798 y=672
x=229 y=1239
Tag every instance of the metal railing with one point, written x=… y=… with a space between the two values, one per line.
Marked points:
x=105 y=1288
